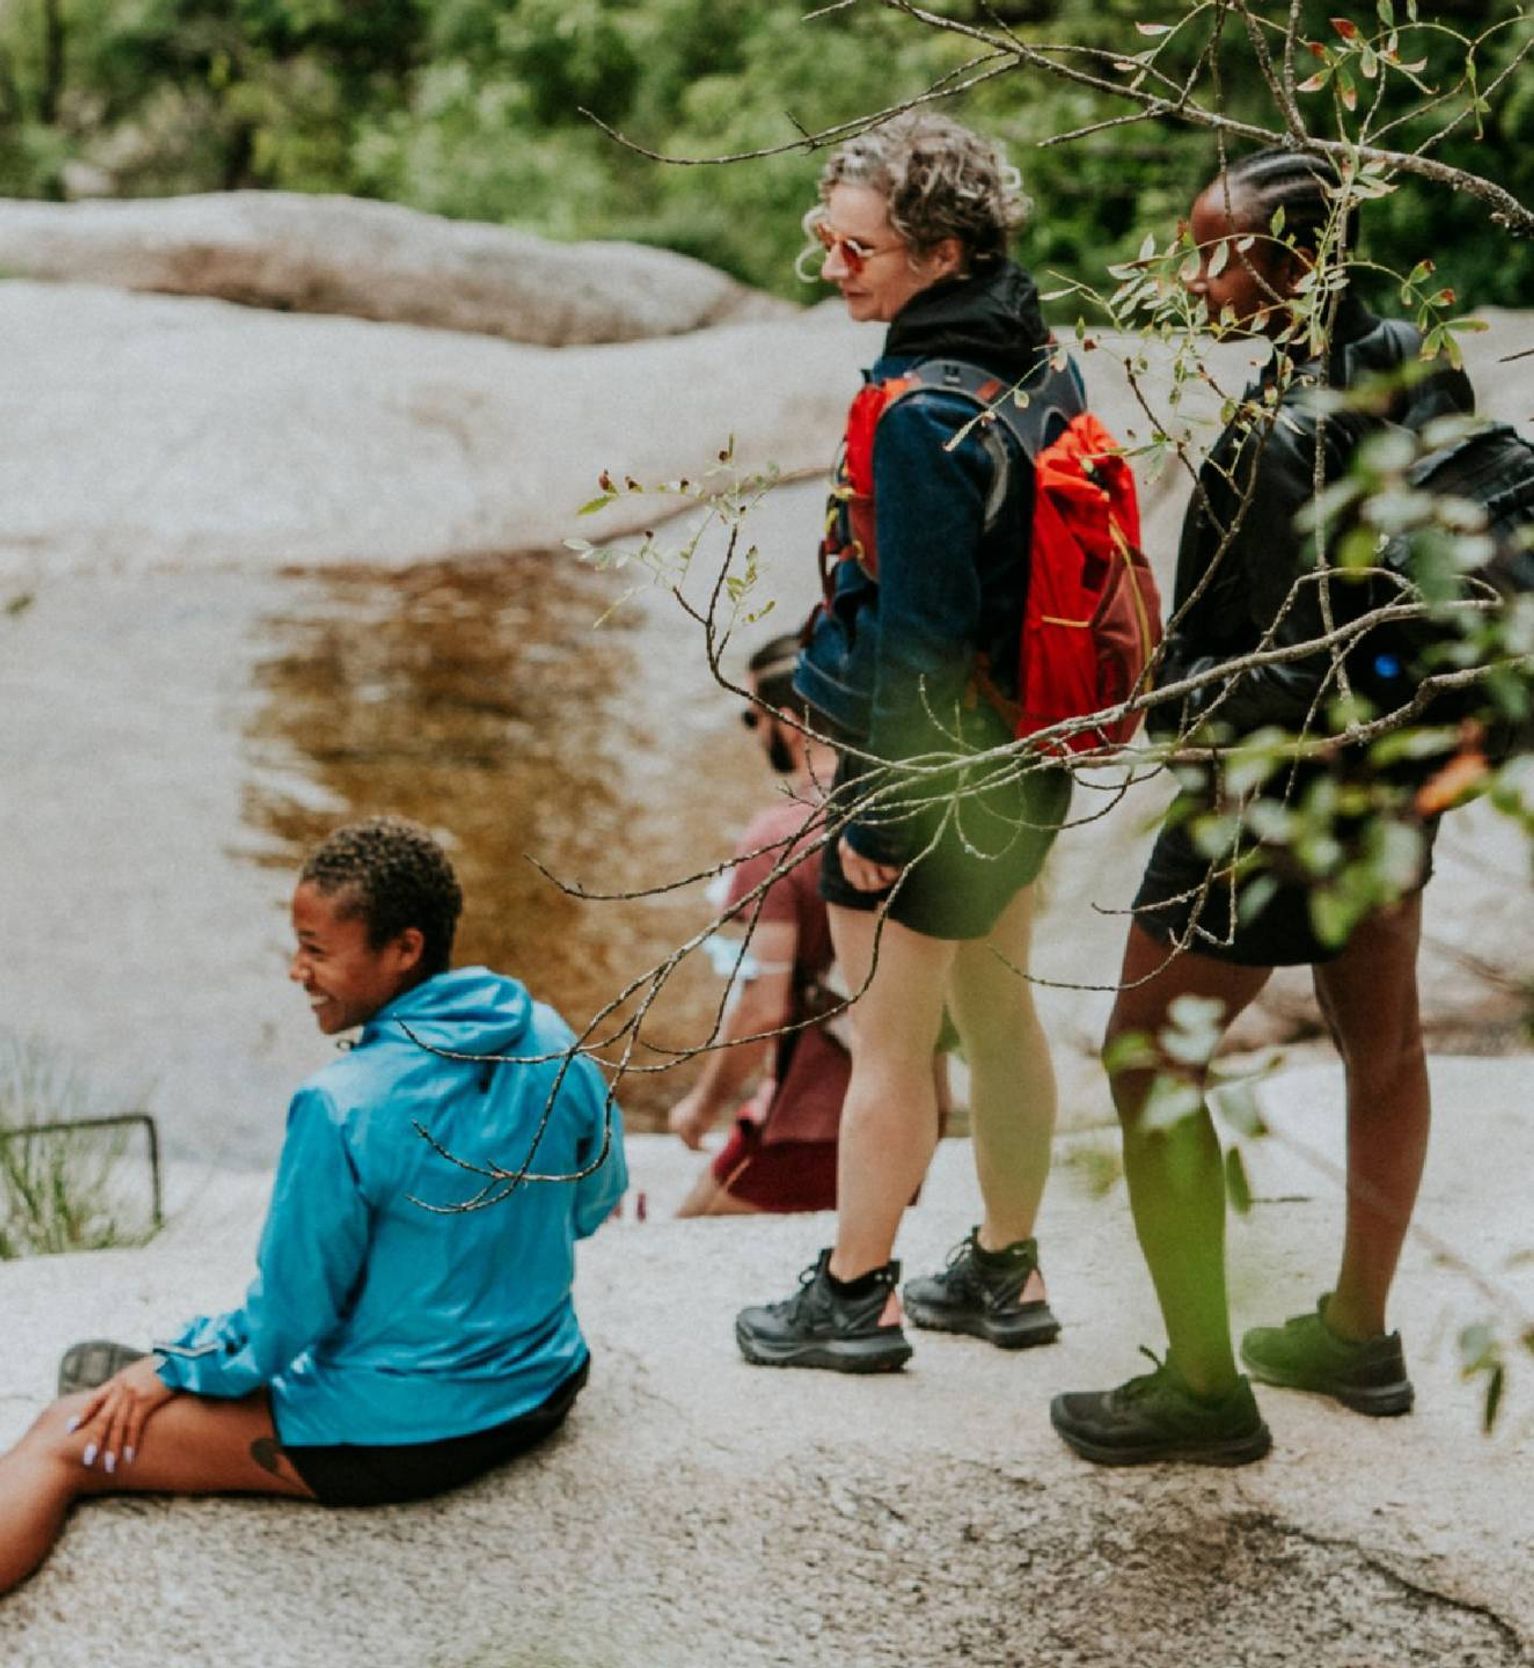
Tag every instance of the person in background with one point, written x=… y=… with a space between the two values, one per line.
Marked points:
x=781 y=1152
x=1201 y=928
x=392 y=1345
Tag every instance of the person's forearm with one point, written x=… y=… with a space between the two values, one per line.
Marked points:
x=728 y=1070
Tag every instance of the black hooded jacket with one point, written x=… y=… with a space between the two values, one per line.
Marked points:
x=889 y=662
x=1256 y=481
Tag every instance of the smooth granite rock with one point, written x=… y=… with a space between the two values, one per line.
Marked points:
x=698 y=1511
x=371 y=260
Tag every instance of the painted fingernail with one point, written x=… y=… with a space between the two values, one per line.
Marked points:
x=128 y=1455
x=109 y=1464
x=89 y=1456
x=73 y=1425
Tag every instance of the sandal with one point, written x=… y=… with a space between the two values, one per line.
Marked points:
x=89 y=1365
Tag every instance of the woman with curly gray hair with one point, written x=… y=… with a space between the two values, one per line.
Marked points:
x=912 y=659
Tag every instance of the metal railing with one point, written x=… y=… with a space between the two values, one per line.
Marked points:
x=72 y=1126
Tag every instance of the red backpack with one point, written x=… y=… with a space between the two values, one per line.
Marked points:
x=1092 y=617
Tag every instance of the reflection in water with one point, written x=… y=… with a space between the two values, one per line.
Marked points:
x=476 y=697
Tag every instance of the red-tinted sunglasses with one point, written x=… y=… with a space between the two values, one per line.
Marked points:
x=855 y=254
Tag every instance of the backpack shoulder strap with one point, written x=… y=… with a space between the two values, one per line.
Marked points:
x=1034 y=411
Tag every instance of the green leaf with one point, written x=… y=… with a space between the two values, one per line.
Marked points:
x=1195 y=1026
x=1171 y=1101
x=1387 y=13
x=1347 y=91
x=1332 y=915
x=1240 y=1108
x=1255 y=897
x=1130 y=1051
x=1276 y=224
x=1494 y=1386
x=1477 y=1348
x=1154 y=28
x=1237 y=1188
x=591 y=506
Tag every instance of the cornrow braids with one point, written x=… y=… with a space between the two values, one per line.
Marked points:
x=1307 y=188
x=938 y=180
x=394 y=875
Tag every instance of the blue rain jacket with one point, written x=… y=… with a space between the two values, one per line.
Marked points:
x=374 y=1321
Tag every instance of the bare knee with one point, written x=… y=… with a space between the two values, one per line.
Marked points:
x=52 y=1433
x=52 y=1454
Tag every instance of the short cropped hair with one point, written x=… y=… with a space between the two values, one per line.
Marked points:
x=938 y=180
x=772 y=666
x=1307 y=188
x=394 y=875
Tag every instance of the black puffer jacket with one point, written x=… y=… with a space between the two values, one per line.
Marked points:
x=1258 y=482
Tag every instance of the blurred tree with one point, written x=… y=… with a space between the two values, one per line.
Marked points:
x=474 y=108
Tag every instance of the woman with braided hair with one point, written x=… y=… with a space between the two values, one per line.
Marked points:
x=1201 y=929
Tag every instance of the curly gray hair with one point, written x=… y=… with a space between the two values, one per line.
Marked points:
x=938 y=180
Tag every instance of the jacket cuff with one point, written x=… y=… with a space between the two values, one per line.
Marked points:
x=877 y=844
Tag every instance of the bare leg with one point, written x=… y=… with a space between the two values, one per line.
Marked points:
x=889 y=1116
x=192 y=1445
x=1175 y=1176
x=1369 y=996
x=1012 y=1080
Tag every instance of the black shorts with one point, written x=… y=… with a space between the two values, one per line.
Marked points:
x=348 y=1475
x=1179 y=903
x=991 y=842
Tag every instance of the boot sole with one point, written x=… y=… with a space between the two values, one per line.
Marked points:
x=88 y=1365
x=1022 y=1333
x=842 y=1355
x=1384 y=1401
x=1235 y=1450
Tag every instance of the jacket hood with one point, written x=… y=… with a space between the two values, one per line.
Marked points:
x=469 y=1010
x=992 y=318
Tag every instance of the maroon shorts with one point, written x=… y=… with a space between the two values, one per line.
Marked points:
x=776 y=1175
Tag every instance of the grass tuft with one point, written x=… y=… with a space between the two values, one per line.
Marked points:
x=61 y=1190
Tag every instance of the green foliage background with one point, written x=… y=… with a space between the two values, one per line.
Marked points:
x=472 y=108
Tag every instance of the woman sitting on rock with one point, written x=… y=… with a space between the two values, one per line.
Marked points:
x=385 y=1351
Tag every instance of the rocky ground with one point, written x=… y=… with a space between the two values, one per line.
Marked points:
x=698 y=1511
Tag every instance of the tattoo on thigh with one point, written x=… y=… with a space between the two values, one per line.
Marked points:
x=266 y=1451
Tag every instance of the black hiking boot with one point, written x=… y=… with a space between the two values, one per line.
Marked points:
x=1367 y=1375
x=817 y=1328
x=1157 y=1417
x=981 y=1292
